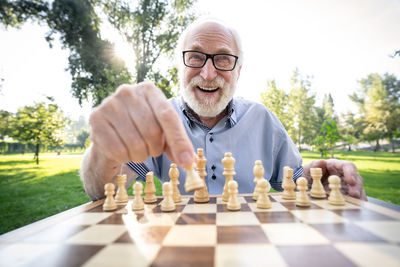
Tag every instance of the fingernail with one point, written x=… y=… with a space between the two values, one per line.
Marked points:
x=185 y=159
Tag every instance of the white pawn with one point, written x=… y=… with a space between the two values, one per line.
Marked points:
x=137 y=203
x=193 y=180
x=233 y=202
x=109 y=203
x=335 y=196
x=258 y=172
x=168 y=203
x=302 y=198
x=122 y=195
x=263 y=201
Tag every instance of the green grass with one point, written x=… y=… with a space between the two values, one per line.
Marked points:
x=29 y=192
x=380 y=171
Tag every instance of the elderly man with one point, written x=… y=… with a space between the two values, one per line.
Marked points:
x=137 y=129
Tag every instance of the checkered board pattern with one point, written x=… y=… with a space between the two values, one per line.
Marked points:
x=357 y=234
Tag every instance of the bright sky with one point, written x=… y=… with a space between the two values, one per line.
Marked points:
x=338 y=42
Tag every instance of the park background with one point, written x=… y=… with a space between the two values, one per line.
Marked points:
x=328 y=69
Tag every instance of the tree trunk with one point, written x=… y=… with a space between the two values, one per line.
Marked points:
x=349 y=147
x=37 y=153
x=377 y=146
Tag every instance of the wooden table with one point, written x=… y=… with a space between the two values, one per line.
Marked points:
x=357 y=234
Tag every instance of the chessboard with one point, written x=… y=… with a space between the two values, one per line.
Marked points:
x=356 y=234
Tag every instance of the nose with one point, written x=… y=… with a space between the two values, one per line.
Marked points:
x=208 y=72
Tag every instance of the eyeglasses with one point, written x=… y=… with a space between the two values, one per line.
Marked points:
x=196 y=59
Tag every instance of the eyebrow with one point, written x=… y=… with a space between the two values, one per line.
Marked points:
x=223 y=49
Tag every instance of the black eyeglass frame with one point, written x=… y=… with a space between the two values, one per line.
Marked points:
x=212 y=59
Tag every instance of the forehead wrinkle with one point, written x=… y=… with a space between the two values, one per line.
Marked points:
x=221 y=49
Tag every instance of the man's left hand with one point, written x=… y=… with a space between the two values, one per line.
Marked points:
x=352 y=182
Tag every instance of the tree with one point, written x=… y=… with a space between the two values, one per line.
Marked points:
x=5 y=121
x=152 y=28
x=277 y=101
x=40 y=124
x=379 y=106
x=350 y=128
x=330 y=133
x=82 y=136
x=96 y=71
x=301 y=110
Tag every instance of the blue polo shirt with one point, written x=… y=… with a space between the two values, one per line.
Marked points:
x=250 y=131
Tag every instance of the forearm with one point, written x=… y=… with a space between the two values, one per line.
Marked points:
x=97 y=170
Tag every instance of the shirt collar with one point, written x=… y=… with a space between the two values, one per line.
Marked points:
x=230 y=117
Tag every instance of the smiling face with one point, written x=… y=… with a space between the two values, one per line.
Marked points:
x=207 y=90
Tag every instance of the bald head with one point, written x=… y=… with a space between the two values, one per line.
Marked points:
x=212 y=29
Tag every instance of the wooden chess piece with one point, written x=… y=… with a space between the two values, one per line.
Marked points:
x=228 y=161
x=302 y=198
x=258 y=172
x=263 y=201
x=168 y=203
x=201 y=195
x=288 y=184
x=317 y=190
x=122 y=196
x=173 y=177
x=109 y=202
x=233 y=201
x=137 y=203
x=193 y=180
x=150 y=189
x=335 y=196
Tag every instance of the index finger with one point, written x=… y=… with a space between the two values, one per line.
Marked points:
x=176 y=138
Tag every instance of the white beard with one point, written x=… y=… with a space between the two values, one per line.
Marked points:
x=208 y=107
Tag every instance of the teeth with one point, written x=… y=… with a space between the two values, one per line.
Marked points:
x=208 y=89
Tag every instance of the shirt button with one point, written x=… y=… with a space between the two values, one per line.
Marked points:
x=214 y=177
x=211 y=139
x=213 y=167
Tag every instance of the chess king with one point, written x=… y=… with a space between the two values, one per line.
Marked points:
x=138 y=130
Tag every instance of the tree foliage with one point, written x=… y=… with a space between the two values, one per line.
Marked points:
x=96 y=71
x=42 y=123
x=152 y=28
x=277 y=101
x=82 y=136
x=378 y=101
x=5 y=121
x=301 y=109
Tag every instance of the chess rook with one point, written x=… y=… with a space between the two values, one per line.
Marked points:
x=302 y=198
x=150 y=189
x=335 y=196
x=288 y=184
x=201 y=195
x=173 y=177
x=109 y=202
x=228 y=161
x=137 y=203
x=317 y=190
